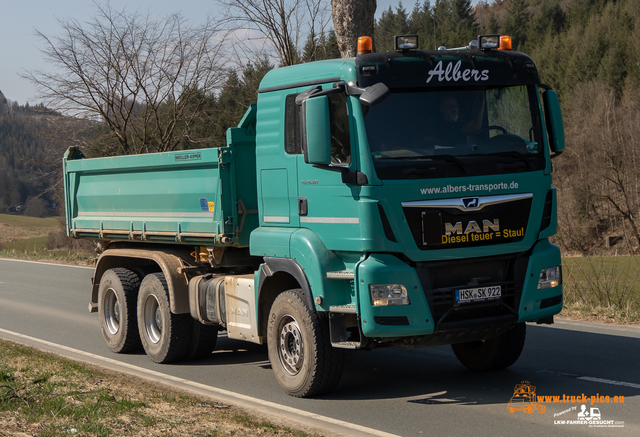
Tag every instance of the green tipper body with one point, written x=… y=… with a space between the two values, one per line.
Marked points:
x=205 y=196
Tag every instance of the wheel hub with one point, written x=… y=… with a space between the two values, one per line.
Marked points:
x=290 y=347
x=153 y=319
x=111 y=312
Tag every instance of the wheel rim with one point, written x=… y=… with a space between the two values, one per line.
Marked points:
x=290 y=345
x=111 y=311
x=153 y=319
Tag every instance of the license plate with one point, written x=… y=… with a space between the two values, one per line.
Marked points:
x=478 y=294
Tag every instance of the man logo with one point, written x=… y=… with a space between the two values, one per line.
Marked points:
x=470 y=202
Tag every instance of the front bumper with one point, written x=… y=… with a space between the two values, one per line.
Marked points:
x=431 y=286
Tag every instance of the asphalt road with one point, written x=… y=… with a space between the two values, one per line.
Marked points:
x=383 y=392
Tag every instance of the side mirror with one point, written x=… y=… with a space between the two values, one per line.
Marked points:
x=317 y=131
x=553 y=120
x=374 y=94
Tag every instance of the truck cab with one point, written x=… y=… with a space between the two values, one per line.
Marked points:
x=433 y=206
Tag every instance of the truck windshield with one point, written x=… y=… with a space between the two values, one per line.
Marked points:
x=422 y=134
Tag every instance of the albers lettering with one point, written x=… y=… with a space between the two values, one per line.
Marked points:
x=452 y=73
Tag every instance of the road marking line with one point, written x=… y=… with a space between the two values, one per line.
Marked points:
x=609 y=381
x=283 y=408
x=592 y=379
x=45 y=263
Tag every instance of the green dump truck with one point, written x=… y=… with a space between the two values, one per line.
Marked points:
x=392 y=199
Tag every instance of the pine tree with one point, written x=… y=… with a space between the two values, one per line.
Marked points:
x=517 y=22
x=464 y=21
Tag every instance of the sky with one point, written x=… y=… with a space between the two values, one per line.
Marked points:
x=19 y=20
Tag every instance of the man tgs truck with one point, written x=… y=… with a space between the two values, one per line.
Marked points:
x=392 y=199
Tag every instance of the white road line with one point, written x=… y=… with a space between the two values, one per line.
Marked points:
x=609 y=381
x=45 y=263
x=592 y=379
x=242 y=400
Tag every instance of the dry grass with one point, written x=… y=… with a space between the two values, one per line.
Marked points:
x=48 y=396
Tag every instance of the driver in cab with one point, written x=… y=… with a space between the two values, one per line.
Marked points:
x=449 y=130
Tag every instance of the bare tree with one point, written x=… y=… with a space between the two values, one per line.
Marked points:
x=351 y=20
x=283 y=23
x=144 y=77
x=600 y=174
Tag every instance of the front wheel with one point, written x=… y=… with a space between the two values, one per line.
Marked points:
x=302 y=358
x=165 y=336
x=494 y=353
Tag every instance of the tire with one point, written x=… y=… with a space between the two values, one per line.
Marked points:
x=300 y=351
x=203 y=340
x=165 y=336
x=495 y=353
x=117 y=295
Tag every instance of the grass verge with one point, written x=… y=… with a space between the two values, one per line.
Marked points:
x=41 y=239
x=602 y=289
x=48 y=396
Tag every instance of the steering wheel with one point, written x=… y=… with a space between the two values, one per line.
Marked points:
x=337 y=153
x=473 y=138
x=489 y=128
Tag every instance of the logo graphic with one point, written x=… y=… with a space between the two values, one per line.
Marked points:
x=594 y=414
x=190 y=156
x=470 y=202
x=524 y=399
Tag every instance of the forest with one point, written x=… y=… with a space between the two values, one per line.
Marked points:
x=25 y=174
x=588 y=50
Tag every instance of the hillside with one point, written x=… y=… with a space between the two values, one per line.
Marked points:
x=28 y=159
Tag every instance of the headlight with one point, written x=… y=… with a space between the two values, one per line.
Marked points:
x=388 y=294
x=551 y=277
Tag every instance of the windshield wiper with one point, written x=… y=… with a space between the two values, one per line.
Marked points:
x=452 y=159
x=449 y=158
x=511 y=154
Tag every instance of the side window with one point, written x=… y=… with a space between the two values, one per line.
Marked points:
x=340 y=135
x=292 y=140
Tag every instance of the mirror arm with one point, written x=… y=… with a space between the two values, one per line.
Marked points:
x=349 y=177
x=556 y=154
x=331 y=168
x=317 y=92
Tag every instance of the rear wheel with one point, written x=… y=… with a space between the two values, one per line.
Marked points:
x=117 y=296
x=494 y=353
x=165 y=336
x=300 y=350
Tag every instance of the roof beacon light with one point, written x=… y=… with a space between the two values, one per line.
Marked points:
x=365 y=45
x=406 y=42
x=505 y=43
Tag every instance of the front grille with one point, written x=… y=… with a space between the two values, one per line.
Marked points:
x=442 y=224
x=440 y=279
